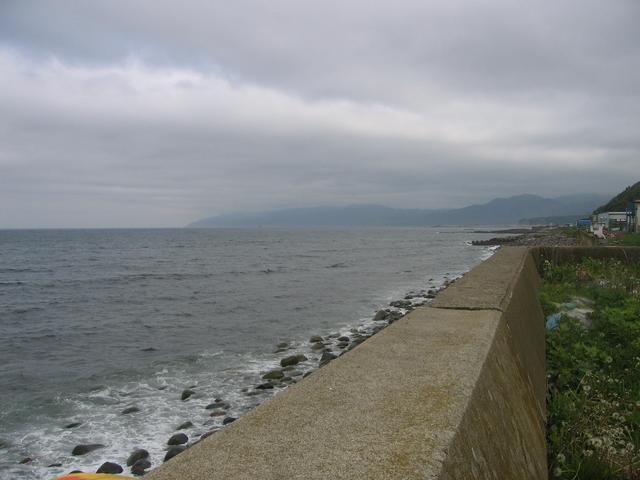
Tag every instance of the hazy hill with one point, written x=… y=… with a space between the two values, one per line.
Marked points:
x=500 y=211
x=619 y=202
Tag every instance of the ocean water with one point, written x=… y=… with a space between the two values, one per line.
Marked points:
x=96 y=321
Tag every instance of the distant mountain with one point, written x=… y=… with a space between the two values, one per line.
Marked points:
x=500 y=211
x=619 y=202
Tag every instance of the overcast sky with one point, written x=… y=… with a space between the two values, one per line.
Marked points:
x=157 y=113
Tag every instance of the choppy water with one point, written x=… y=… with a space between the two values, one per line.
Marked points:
x=94 y=321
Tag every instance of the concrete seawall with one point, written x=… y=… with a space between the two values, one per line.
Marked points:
x=455 y=390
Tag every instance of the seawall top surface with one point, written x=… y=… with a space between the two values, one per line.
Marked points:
x=387 y=409
x=487 y=286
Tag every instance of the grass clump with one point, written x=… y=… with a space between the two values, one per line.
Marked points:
x=628 y=240
x=593 y=370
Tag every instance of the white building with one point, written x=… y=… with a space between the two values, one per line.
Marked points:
x=635 y=219
x=603 y=223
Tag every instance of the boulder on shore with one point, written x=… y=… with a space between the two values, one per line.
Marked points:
x=138 y=468
x=273 y=375
x=326 y=358
x=86 y=448
x=185 y=425
x=186 y=394
x=381 y=315
x=178 y=439
x=173 y=451
x=292 y=360
x=109 y=467
x=138 y=454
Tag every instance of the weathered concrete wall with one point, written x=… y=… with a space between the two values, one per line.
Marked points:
x=586 y=239
x=451 y=391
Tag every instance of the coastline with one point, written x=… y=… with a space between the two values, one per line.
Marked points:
x=292 y=361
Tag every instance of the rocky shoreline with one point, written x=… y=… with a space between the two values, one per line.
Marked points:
x=541 y=236
x=295 y=362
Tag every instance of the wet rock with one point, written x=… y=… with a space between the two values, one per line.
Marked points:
x=186 y=394
x=342 y=345
x=86 y=448
x=292 y=360
x=75 y=471
x=344 y=338
x=283 y=345
x=109 y=467
x=380 y=316
x=316 y=338
x=229 y=420
x=265 y=386
x=26 y=460
x=73 y=425
x=334 y=335
x=217 y=404
x=401 y=304
x=162 y=387
x=253 y=393
x=307 y=374
x=138 y=454
x=129 y=410
x=185 y=425
x=295 y=373
x=148 y=349
x=217 y=413
x=273 y=375
x=140 y=466
x=208 y=434
x=326 y=358
x=54 y=465
x=178 y=439
x=317 y=346
x=173 y=451
x=4 y=443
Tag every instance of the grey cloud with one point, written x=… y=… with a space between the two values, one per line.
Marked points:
x=168 y=111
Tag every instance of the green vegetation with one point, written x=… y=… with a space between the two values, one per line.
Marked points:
x=619 y=202
x=627 y=240
x=593 y=364
x=571 y=231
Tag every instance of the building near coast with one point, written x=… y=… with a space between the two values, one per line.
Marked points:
x=634 y=216
x=612 y=221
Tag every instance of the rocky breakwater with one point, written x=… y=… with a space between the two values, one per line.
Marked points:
x=541 y=236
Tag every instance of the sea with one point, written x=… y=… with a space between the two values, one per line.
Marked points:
x=93 y=322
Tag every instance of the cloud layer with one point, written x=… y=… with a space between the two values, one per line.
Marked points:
x=155 y=113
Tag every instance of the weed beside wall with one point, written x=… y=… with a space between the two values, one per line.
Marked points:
x=593 y=367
